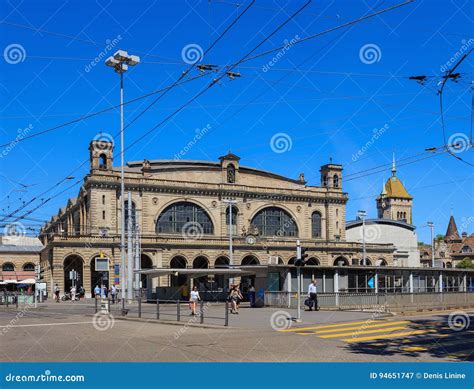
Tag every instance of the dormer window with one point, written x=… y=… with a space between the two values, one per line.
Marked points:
x=466 y=249
x=230 y=174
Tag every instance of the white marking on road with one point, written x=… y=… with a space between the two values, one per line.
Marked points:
x=46 y=324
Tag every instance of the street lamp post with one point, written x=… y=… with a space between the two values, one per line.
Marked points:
x=231 y=203
x=362 y=215
x=120 y=62
x=431 y=225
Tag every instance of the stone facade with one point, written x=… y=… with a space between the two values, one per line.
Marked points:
x=270 y=213
x=18 y=257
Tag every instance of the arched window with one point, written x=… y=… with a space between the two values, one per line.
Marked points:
x=335 y=181
x=8 y=267
x=312 y=262
x=29 y=267
x=184 y=218
x=316 y=225
x=325 y=180
x=102 y=161
x=274 y=221
x=230 y=174
x=466 y=249
x=250 y=260
x=134 y=215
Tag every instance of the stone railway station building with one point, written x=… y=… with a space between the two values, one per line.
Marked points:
x=181 y=213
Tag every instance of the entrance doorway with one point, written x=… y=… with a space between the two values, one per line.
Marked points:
x=73 y=263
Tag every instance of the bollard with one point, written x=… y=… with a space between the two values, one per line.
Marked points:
x=95 y=299
x=226 y=315
x=178 y=313
x=157 y=308
x=139 y=305
x=108 y=303
x=201 y=308
x=6 y=299
x=16 y=301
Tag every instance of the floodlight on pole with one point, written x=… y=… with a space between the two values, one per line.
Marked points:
x=120 y=62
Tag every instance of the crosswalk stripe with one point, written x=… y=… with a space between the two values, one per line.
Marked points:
x=463 y=353
x=356 y=333
x=393 y=335
x=436 y=345
x=363 y=327
x=324 y=326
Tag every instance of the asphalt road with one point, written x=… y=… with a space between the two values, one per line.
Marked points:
x=71 y=332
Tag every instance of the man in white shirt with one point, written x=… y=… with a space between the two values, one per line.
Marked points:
x=312 y=295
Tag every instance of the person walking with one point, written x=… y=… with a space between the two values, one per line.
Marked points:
x=113 y=292
x=104 y=292
x=252 y=296
x=73 y=293
x=234 y=296
x=82 y=292
x=313 y=296
x=56 y=293
x=193 y=299
x=97 y=291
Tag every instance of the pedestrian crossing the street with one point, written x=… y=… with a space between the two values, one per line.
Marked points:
x=404 y=336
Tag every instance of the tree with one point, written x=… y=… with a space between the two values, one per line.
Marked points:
x=439 y=237
x=466 y=263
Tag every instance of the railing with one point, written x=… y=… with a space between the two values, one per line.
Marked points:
x=376 y=301
x=167 y=310
x=16 y=299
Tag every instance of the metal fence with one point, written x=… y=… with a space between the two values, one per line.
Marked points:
x=16 y=299
x=168 y=310
x=384 y=302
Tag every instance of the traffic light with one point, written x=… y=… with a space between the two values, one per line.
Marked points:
x=301 y=259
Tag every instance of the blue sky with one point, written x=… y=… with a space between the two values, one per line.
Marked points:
x=326 y=99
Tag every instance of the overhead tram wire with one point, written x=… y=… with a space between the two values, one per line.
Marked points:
x=450 y=75
x=216 y=80
x=362 y=18
x=165 y=90
x=355 y=21
x=87 y=116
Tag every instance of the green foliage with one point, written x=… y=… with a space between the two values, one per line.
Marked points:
x=466 y=263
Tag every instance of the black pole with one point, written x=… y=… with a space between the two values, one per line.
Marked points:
x=202 y=311
x=139 y=305
x=157 y=308
x=16 y=301
x=226 y=314
x=178 y=313
x=95 y=298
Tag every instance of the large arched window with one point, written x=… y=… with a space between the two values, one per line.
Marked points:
x=316 y=224
x=335 y=181
x=273 y=221
x=184 y=218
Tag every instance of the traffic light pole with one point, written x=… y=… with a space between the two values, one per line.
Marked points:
x=298 y=274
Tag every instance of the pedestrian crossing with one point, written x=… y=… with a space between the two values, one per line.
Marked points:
x=405 y=336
